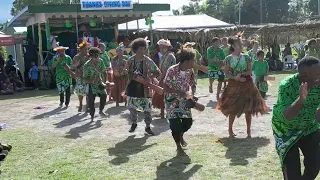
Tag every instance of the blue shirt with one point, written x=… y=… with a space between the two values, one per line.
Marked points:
x=34 y=73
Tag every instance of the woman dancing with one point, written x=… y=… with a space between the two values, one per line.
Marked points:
x=78 y=61
x=167 y=60
x=241 y=96
x=94 y=74
x=139 y=95
x=61 y=64
x=120 y=75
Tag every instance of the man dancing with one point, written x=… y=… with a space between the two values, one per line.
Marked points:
x=177 y=83
x=294 y=124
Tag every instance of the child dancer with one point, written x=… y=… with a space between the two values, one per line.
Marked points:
x=177 y=83
x=215 y=57
x=261 y=69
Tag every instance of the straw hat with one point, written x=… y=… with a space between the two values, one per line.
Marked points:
x=164 y=42
x=189 y=44
x=60 y=48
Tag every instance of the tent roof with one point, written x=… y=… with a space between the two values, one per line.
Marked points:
x=74 y=10
x=177 y=22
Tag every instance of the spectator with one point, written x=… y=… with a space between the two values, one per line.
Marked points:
x=33 y=75
x=10 y=61
x=7 y=87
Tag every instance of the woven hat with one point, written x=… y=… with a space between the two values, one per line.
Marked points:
x=60 y=48
x=164 y=42
x=189 y=44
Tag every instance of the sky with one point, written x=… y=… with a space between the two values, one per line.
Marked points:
x=175 y=4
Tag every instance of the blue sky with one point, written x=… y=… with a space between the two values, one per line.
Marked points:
x=7 y=4
x=5 y=10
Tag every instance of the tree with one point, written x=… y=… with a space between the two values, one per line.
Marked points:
x=18 y=5
x=313 y=7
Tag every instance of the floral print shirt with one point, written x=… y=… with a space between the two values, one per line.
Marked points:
x=178 y=80
x=237 y=64
x=91 y=70
x=286 y=132
x=119 y=66
x=62 y=76
x=166 y=61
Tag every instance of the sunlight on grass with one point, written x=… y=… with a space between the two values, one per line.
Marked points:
x=273 y=89
x=50 y=156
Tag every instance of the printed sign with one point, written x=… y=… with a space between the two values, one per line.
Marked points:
x=106 y=4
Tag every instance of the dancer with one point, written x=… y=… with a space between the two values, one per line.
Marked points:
x=241 y=95
x=78 y=62
x=225 y=46
x=94 y=75
x=252 y=53
x=120 y=73
x=104 y=55
x=167 y=60
x=198 y=61
x=215 y=57
x=138 y=95
x=312 y=48
x=261 y=69
x=61 y=63
x=294 y=121
x=177 y=83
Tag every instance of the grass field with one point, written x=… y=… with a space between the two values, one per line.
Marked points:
x=67 y=147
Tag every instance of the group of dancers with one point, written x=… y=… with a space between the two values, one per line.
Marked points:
x=244 y=76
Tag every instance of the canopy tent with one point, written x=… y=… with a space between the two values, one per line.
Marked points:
x=176 y=22
x=6 y=40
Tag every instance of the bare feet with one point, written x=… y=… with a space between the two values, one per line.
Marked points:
x=249 y=134
x=231 y=134
x=210 y=89
x=183 y=142
x=180 y=151
x=217 y=97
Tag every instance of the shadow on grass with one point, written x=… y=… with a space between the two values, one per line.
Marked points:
x=240 y=150
x=175 y=168
x=160 y=126
x=70 y=121
x=49 y=113
x=212 y=104
x=76 y=132
x=129 y=146
x=113 y=111
x=30 y=94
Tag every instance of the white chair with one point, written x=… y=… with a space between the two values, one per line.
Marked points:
x=288 y=62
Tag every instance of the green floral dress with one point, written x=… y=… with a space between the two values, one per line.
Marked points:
x=91 y=71
x=106 y=59
x=287 y=133
x=63 y=78
x=237 y=64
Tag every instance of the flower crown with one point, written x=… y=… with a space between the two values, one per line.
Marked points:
x=83 y=44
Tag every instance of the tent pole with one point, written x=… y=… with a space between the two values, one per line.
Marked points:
x=138 y=28
x=151 y=31
x=77 y=30
x=40 y=44
x=127 y=31
x=33 y=36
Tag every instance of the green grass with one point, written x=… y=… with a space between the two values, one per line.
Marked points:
x=49 y=156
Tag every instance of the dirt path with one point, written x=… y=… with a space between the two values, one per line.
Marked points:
x=20 y=113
